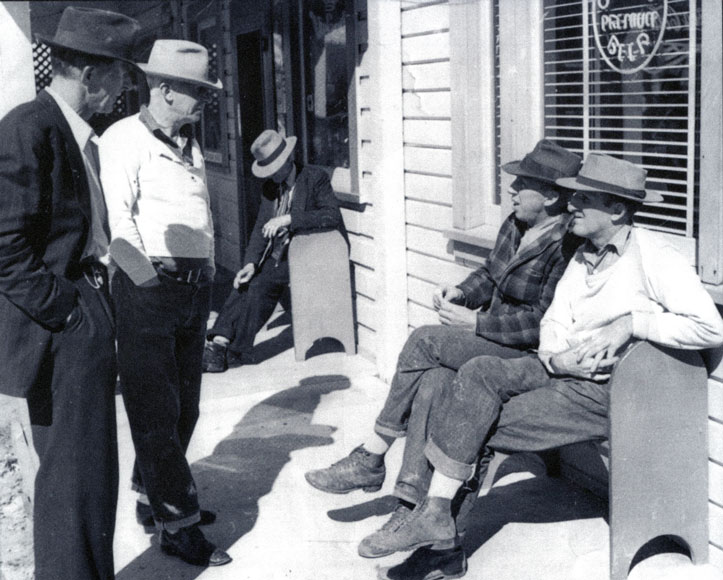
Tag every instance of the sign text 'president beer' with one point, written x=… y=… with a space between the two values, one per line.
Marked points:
x=628 y=32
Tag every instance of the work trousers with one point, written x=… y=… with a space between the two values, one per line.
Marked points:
x=161 y=335
x=247 y=309
x=73 y=423
x=511 y=405
x=425 y=368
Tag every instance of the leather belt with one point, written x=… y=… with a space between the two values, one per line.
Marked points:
x=193 y=276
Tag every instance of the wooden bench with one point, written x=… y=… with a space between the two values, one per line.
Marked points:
x=320 y=282
x=657 y=454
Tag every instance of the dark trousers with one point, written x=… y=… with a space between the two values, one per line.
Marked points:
x=160 y=346
x=512 y=406
x=247 y=309
x=74 y=432
x=425 y=368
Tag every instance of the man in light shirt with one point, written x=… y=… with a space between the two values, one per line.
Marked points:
x=162 y=241
x=623 y=284
x=58 y=345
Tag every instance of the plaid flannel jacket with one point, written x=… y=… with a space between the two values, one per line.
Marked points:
x=513 y=291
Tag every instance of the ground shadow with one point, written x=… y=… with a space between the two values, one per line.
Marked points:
x=243 y=469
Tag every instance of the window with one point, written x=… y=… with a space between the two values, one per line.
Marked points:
x=622 y=78
x=315 y=45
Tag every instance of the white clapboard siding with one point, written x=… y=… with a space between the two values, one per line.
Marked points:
x=362 y=250
x=366 y=311
x=366 y=341
x=420 y=291
x=359 y=222
x=425 y=47
x=435 y=270
x=432 y=216
x=427 y=105
x=430 y=242
x=365 y=281
x=428 y=76
x=428 y=160
x=428 y=188
x=425 y=19
x=428 y=132
x=421 y=315
x=715 y=440
x=715 y=399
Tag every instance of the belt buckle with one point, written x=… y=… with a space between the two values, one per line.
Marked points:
x=95 y=278
x=193 y=276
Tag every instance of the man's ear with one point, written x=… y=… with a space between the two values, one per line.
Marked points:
x=88 y=75
x=551 y=198
x=619 y=212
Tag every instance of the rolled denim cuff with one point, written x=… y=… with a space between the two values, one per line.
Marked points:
x=406 y=492
x=175 y=525
x=446 y=465
x=389 y=430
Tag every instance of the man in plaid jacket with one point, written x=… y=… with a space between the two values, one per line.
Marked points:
x=496 y=311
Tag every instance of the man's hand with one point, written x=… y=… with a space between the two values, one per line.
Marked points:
x=454 y=315
x=244 y=275
x=272 y=226
x=566 y=363
x=607 y=341
x=448 y=293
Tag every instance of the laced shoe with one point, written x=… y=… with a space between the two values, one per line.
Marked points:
x=214 y=358
x=191 y=546
x=376 y=545
x=358 y=470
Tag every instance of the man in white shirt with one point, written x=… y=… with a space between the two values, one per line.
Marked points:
x=623 y=284
x=58 y=346
x=162 y=240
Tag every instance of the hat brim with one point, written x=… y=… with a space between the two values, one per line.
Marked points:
x=264 y=171
x=514 y=168
x=52 y=44
x=573 y=183
x=218 y=85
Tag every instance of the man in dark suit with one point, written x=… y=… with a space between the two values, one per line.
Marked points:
x=58 y=346
x=295 y=199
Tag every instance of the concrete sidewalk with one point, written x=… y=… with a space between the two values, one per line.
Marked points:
x=262 y=426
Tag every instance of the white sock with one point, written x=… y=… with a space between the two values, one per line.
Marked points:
x=375 y=444
x=443 y=486
x=222 y=340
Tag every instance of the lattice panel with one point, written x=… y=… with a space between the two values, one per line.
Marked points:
x=213 y=106
x=41 y=65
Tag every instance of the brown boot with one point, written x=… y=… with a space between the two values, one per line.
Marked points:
x=358 y=470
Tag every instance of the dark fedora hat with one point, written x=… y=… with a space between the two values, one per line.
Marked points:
x=95 y=32
x=611 y=175
x=547 y=162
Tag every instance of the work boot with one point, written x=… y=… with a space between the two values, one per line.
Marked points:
x=214 y=358
x=429 y=523
x=358 y=470
x=376 y=545
x=428 y=564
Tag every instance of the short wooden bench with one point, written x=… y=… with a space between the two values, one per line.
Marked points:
x=320 y=282
x=656 y=456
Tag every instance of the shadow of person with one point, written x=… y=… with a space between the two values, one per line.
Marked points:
x=243 y=468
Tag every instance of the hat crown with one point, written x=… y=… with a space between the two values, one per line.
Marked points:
x=181 y=59
x=96 y=32
x=266 y=145
x=547 y=162
x=614 y=173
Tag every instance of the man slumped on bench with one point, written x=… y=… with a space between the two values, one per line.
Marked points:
x=623 y=284
x=513 y=289
x=295 y=199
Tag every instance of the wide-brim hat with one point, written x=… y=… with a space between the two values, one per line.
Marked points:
x=181 y=60
x=603 y=173
x=96 y=32
x=547 y=162
x=271 y=151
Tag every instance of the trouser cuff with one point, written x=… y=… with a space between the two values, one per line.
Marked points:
x=175 y=525
x=389 y=430
x=407 y=493
x=446 y=465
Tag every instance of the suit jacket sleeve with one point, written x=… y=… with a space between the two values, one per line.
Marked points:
x=321 y=208
x=26 y=202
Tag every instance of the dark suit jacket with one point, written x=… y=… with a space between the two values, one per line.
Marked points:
x=44 y=225
x=314 y=207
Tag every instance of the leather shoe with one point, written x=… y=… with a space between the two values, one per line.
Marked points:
x=144 y=516
x=191 y=546
x=358 y=470
x=214 y=358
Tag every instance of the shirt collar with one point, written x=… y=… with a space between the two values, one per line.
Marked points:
x=80 y=128
x=616 y=244
x=152 y=125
